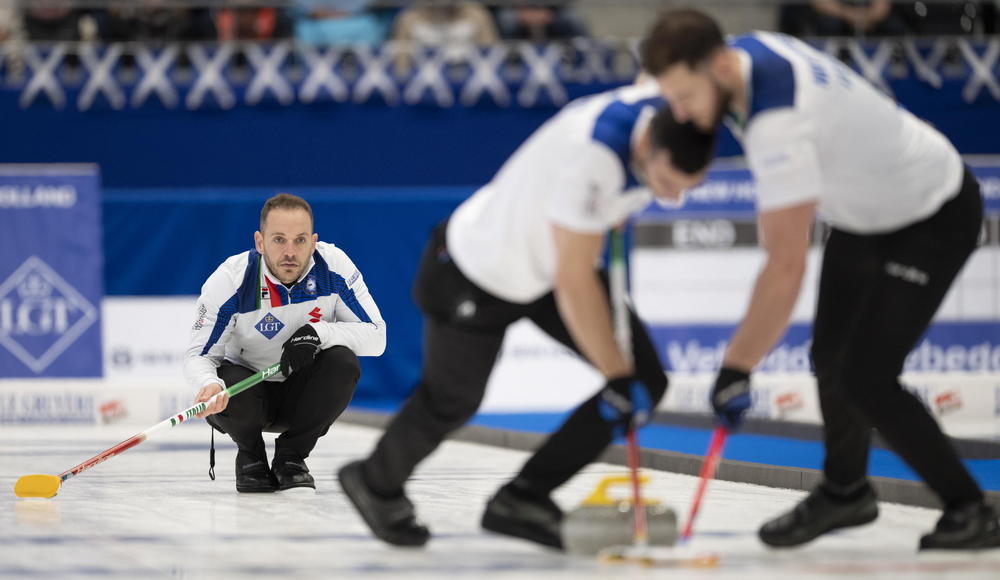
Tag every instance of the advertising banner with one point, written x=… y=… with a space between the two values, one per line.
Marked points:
x=50 y=271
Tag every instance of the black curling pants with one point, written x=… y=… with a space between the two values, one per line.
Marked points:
x=464 y=327
x=877 y=296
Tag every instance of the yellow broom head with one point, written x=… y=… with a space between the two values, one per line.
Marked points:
x=37 y=486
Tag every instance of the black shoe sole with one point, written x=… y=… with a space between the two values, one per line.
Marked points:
x=309 y=483
x=354 y=492
x=517 y=529
x=297 y=486
x=255 y=489
x=989 y=542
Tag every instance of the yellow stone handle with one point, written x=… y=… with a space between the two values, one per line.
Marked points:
x=600 y=497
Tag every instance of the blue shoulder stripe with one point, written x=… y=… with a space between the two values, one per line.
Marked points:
x=329 y=282
x=250 y=286
x=772 y=79
x=225 y=314
x=614 y=126
x=244 y=300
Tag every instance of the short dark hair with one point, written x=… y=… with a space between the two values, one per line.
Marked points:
x=682 y=36
x=285 y=201
x=691 y=149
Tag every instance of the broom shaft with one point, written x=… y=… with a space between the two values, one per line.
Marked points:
x=707 y=472
x=167 y=423
x=641 y=529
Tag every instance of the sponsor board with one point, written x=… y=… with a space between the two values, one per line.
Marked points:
x=97 y=402
x=112 y=411
x=535 y=373
x=50 y=271
x=729 y=189
x=26 y=406
x=972 y=347
x=131 y=350
x=948 y=402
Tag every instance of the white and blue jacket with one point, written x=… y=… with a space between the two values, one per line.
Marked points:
x=244 y=314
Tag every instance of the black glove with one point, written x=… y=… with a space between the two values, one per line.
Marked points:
x=300 y=350
x=624 y=403
x=731 y=397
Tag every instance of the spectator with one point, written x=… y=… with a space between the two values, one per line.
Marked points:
x=156 y=20
x=247 y=22
x=11 y=34
x=51 y=20
x=10 y=21
x=453 y=27
x=795 y=18
x=856 y=17
x=336 y=22
x=527 y=20
x=945 y=18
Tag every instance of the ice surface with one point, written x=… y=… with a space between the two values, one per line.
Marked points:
x=152 y=512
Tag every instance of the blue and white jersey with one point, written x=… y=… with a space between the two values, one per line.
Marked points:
x=818 y=131
x=244 y=314
x=574 y=171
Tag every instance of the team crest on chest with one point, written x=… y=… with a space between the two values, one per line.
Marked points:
x=311 y=285
x=269 y=326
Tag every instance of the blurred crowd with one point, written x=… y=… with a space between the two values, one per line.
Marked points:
x=433 y=22
x=887 y=17
x=438 y=22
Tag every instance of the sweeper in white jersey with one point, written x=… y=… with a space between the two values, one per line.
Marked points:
x=528 y=245
x=291 y=299
x=906 y=214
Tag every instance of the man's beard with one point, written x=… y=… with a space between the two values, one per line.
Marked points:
x=277 y=269
x=723 y=99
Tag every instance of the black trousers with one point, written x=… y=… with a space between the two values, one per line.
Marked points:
x=877 y=296
x=302 y=408
x=464 y=327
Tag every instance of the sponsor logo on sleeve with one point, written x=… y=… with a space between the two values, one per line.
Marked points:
x=199 y=322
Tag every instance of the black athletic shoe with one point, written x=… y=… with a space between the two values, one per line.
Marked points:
x=292 y=473
x=818 y=514
x=973 y=526
x=517 y=514
x=253 y=475
x=391 y=519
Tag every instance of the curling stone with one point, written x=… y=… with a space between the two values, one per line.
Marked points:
x=603 y=521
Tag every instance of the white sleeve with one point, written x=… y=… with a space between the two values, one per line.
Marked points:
x=586 y=191
x=215 y=317
x=783 y=159
x=357 y=322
